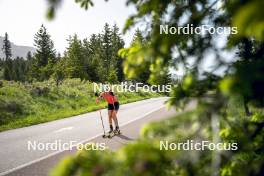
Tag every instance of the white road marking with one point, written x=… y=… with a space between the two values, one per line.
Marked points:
x=63 y=129
x=83 y=141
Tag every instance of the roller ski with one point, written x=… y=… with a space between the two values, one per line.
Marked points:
x=110 y=134
x=113 y=133
x=117 y=131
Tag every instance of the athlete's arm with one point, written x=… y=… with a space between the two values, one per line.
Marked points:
x=98 y=97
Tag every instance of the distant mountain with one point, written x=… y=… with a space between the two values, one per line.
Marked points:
x=17 y=50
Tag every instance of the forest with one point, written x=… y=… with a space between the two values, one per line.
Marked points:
x=94 y=58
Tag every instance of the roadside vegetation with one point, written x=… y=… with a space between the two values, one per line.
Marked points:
x=25 y=104
x=145 y=157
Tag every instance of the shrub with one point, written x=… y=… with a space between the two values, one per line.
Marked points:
x=38 y=91
x=13 y=107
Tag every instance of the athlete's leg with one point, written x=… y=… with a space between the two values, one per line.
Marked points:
x=114 y=117
x=110 y=112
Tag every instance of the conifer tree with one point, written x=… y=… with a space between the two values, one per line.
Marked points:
x=93 y=53
x=107 y=50
x=45 y=56
x=8 y=75
x=117 y=44
x=140 y=40
x=75 y=60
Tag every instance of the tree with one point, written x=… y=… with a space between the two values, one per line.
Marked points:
x=117 y=44
x=138 y=38
x=112 y=78
x=29 y=56
x=7 y=47
x=45 y=56
x=75 y=66
x=8 y=74
x=94 y=59
x=19 y=69
x=142 y=69
x=250 y=86
x=107 y=48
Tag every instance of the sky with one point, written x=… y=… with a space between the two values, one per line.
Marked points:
x=21 y=19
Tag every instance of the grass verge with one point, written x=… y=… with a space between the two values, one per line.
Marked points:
x=27 y=104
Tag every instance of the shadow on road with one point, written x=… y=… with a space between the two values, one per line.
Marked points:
x=125 y=137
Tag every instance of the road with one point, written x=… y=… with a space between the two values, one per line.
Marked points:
x=17 y=159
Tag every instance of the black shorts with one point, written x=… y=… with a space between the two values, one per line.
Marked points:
x=114 y=106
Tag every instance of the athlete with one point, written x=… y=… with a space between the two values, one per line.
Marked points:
x=113 y=106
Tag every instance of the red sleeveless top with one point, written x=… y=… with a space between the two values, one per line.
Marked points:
x=109 y=98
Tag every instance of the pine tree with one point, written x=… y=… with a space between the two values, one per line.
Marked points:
x=1 y=69
x=112 y=78
x=45 y=56
x=19 y=69
x=75 y=60
x=117 y=44
x=93 y=52
x=8 y=73
x=139 y=39
x=7 y=47
x=45 y=47
x=29 y=56
x=29 y=65
x=107 y=47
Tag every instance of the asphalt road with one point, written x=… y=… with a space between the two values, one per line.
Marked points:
x=17 y=159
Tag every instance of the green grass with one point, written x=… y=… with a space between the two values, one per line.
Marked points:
x=28 y=104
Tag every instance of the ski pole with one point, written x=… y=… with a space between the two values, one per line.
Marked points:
x=102 y=122
x=97 y=95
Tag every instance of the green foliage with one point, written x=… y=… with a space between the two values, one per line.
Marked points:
x=112 y=78
x=54 y=4
x=74 y=60
x=98 y=163
x=249 y=19
x=135 y=65
x=141 y=158
x=144 y=157
x=140 y=65
x=20 y=69
x=251 y=85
